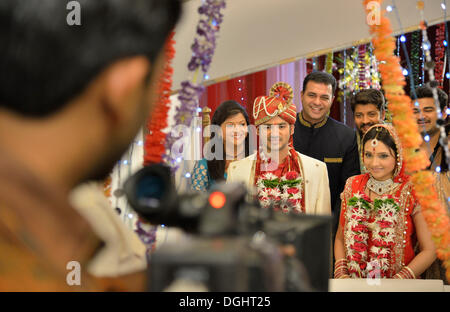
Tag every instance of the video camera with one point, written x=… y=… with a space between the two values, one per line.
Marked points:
x=235 y=245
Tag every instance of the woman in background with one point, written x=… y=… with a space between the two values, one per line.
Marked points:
x=233 y=120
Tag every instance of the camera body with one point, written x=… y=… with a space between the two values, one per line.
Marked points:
x=234 y=244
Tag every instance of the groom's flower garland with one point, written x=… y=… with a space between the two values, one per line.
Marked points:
x=382 y=227
x=283 y=193
x=404 y=122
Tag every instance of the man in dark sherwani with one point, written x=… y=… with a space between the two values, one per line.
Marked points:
x=319 y=136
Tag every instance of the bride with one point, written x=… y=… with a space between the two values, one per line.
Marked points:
x=380 y=219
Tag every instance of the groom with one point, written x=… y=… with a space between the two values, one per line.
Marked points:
x=284 y=179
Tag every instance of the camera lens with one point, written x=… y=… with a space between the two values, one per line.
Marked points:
x=150 y=187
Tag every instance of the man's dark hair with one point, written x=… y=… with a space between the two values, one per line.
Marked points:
x=426 y=92
x=44 y=62
x=368 y=96
x=320 y=77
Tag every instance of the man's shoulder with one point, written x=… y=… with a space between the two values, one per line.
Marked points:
x=340 y=126
x=243 y=162
x=311 y=162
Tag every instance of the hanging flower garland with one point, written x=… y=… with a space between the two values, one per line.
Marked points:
x=362 y=67
x=329 y=63
x=416 y=53
x=360 y=70
x=350 y=80
x=407 y=129
x=439 y=52
x=203 y=50
x=155 y=138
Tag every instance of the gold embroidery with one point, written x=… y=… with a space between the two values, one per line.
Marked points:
x=308 y=124
x=332 y=160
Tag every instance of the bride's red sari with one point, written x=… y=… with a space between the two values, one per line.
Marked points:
x=379 y=235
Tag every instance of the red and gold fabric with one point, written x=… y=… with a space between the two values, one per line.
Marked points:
x=278 y=103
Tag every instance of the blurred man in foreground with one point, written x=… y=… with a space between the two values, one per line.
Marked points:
x=72 y=98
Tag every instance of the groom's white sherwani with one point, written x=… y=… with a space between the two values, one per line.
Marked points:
x=314 y=173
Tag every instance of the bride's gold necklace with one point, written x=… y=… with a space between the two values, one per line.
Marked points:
x=380 y=187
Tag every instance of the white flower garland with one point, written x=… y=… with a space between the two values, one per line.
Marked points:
x=284 y=193
x=382 y=225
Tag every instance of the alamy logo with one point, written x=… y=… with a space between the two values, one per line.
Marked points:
x=73 y=278
x=74 y=16
x=374 y=276
x=373 y=17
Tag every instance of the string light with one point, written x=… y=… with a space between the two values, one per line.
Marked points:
x=405 y=72
x=125 y=162
x=443 y=6
x=438 y=169
x=447 y=75
x=187 y=175
x=402 y=38
x=433 y=86
x=130 y=215
x=447 y=111
x=416 y=104
x=206 y=77
x=389 y=8
x=199 y=109
x=445 y=43
x=199 y=129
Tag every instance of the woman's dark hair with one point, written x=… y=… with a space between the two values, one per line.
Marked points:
x=216 y=167
x=383 y=135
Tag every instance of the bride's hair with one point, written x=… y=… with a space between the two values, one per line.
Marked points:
x=381 y=134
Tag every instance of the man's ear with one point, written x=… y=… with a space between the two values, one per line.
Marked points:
x=383 y=114
x=444 y=112
x=292 y=128
x=121 y=81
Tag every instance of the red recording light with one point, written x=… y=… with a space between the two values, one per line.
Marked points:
x=217 y=200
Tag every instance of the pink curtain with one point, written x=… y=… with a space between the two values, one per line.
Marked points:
x=293 y=73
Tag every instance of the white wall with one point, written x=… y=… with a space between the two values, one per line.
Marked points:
x=258 y=34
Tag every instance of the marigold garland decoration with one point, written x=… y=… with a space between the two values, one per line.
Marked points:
x=155 y=139
x=405 y=124
x=107 y=186
x=154 y=146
